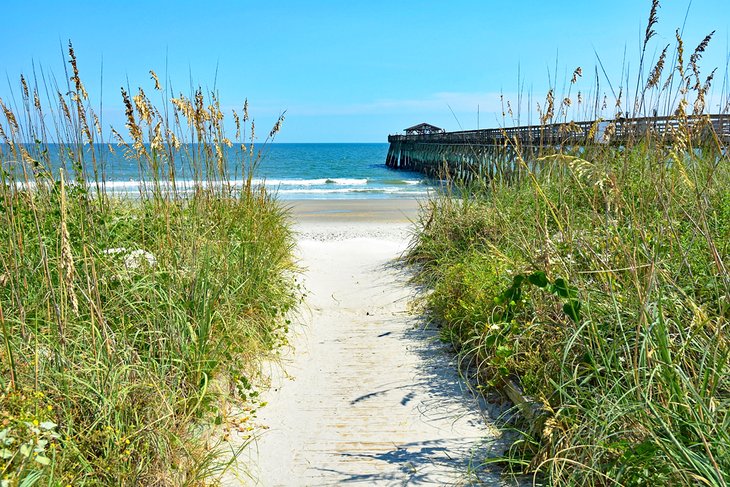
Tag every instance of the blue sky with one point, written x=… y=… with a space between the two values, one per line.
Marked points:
x=352 y=71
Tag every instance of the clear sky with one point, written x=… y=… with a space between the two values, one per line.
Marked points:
x=352 y=71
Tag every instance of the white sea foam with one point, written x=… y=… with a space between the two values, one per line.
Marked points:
x=312 y=182
x=382 y=190
x=285 y=188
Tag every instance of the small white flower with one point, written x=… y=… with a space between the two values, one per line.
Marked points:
x=133 y=259
x=138 y=258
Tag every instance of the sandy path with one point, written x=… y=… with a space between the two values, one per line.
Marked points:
x=368 y=396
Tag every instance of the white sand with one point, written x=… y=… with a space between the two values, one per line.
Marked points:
x=367 y=395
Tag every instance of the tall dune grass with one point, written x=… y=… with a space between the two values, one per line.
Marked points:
x=598 y=283
x=129 y=323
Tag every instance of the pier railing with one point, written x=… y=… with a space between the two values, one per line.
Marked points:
x=489 y=152
x=616 y=131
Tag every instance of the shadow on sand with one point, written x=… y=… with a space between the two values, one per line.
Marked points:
x=441 y=396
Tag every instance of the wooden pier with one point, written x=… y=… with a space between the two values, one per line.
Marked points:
x=497 y=152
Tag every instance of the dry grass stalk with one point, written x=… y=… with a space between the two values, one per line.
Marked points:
x=699 y=105
x=134 y=130
x=64 y=108
x=696 y=56
x=578 y=73
x=653 y=19
x=80 y=90
x=24 y=86
x=66 y=262
x=549 y=108
x=116 y=393
x=277 y=126
x=680 y=53
x=153 y=75
x=619 y=100
x=656 y=72
x=237 y=121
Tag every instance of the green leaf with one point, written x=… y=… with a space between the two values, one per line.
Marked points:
x=563 y=289
x=538 y=279
x=572 y=309
x=503 y=351
x=26 y=449
x=5 y=454
x=43 y=460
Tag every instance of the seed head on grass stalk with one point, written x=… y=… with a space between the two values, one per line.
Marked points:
x=696 y=56
x=656 y=72
x=154 y=77
x=628 y=389
x=578 y=73
x=549 y=108
x=139 y=387
x=67 y=266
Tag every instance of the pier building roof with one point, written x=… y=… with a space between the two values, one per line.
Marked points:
x=423 y=128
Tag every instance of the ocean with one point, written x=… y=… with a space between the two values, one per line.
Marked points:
x=326 y=171
x=293 y=171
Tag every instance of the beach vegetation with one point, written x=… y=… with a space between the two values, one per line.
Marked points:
x=594 y=291
x=132 y=325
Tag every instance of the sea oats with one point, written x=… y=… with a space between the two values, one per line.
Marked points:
x=549 y=108
x=253 y=132
x=24 y=85
x=609 y=132
x=80 y=90
x=653 y=18
x=656 y=72
x=142 y=105
x=4 y=136
x=37 y=101
x=680 y=53
x=696 y=56
x=10 y=117
x=64 y=107
x=134 y=129
x=699 y=104
x=594 y=128
x=157 y=142
x=97 y=125
x=156 y=80
x=238 y=124
x=277 y=126
x=578 y=73
x=67 y=261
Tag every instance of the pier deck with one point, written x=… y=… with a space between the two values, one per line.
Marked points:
x=490 y=151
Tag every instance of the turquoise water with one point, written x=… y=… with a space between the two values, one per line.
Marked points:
x=294 y=171
x=325 y=171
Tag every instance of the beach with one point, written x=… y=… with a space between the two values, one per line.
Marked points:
x=364 y=393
